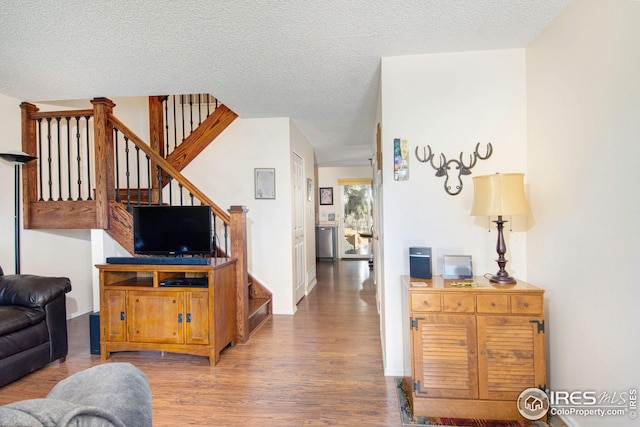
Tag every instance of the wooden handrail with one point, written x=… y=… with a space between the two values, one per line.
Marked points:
x=167 y=167
x=64 y=113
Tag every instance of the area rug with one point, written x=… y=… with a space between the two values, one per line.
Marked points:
x=408 y=419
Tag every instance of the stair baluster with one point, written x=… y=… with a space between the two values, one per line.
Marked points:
x=49 y=160
x=117 y=164
x=180 y=193
x=138 y=187
x=226 y=239
x=149 y=194
x=215 y=236
x=159 y=177
x=69 y=198
x=175 y=129
x=78 y=158
x=59 y=157
x=166 y=125
x=88 y=158
x=182 y=118
x=127 y=172
x=40 y=174
x=190 y=115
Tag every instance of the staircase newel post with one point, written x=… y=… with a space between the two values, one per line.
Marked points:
x=156 y=137
x=104 y=159
x=29 y=170
x=238 y=216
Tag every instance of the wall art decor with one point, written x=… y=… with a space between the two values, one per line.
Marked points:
x=453 y=169
x=309 y=190
x=326 y=195
x=265 y=183
x=400 y=159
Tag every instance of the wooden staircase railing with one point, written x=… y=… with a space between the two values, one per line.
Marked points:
x=103 y=207
x=163 y=127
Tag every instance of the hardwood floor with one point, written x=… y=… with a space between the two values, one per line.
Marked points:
x=320 y=367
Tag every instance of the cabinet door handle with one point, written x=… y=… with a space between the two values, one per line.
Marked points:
x=526 y=304
x=473 y=352
x=459 y=303
x=179 y=317
x=493 y=304
x=122 y=315
x=188 y=317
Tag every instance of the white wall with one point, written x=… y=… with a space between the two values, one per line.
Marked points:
x=450 y=102
x=43 y=252
x=584 y=147
x=224 y=171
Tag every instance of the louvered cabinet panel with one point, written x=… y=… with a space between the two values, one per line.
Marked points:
x=511 y=355
x=446 y=364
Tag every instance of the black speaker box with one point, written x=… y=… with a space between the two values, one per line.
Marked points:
x=94 y=333
x=420 y=262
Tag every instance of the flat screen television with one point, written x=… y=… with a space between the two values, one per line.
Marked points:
x=172 y=230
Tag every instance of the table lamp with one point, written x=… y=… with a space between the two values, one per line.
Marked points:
x=500 y=195
x=17 y=159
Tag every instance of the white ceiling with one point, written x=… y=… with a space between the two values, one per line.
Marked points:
x=317 y=62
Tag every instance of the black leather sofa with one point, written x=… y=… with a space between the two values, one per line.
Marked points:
x=33 y=323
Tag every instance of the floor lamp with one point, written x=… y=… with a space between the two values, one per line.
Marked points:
x=17 y=159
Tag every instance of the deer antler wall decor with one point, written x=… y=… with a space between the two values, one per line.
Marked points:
x=445 y=166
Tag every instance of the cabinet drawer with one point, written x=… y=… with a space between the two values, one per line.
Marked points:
x=459 y=303
x=526 y=304
x=493 y=303
x=426 y=302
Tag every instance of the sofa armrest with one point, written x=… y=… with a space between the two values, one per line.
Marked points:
x=31 y=291
x=120 y=388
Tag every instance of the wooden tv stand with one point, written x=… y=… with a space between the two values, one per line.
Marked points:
x=138 y=314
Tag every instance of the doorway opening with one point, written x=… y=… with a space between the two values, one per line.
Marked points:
x=357 y=220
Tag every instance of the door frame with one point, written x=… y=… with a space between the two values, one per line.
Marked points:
x=298 y=227
x=341 y=228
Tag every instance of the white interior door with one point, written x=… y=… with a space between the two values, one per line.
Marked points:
x=298 y=226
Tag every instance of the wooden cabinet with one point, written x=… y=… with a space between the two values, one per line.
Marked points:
x=473 y=349
x=138 y=313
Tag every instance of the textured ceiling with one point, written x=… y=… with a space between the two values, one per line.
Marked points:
x=317 y=62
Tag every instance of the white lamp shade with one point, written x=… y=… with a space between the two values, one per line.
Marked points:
x=499 y=194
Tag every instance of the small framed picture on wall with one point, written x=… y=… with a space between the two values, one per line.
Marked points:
x=265 y=183
x=310 y=189
x=326 y=195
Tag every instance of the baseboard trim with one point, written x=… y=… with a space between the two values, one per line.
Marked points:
x=311 y=285
x=394 y=372
x=79 y=313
